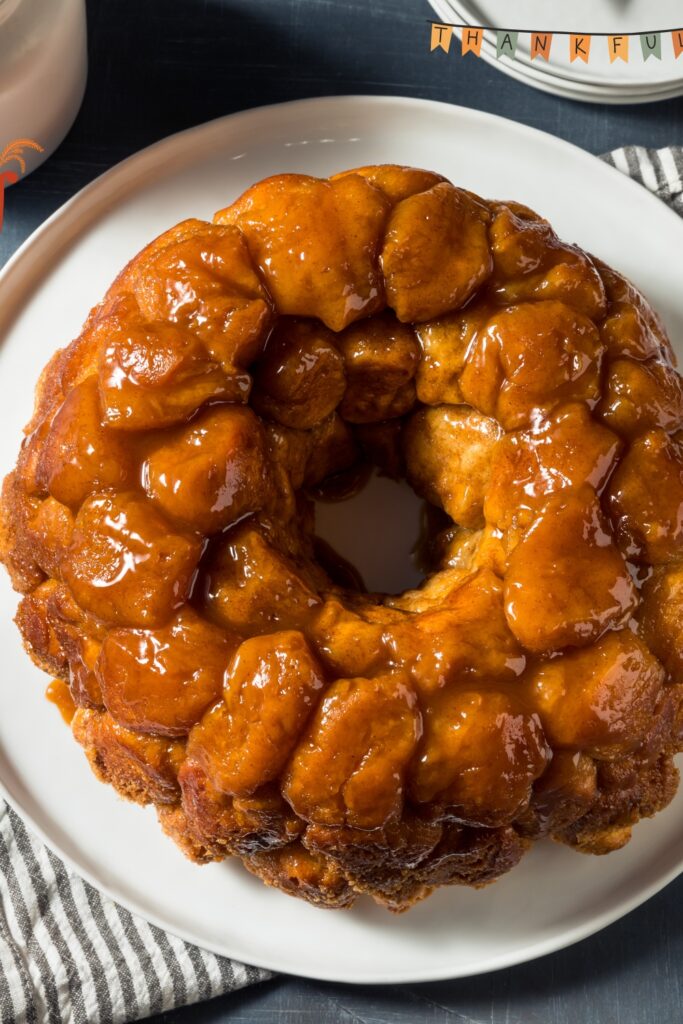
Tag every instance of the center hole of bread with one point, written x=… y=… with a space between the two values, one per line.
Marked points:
x=376 y=531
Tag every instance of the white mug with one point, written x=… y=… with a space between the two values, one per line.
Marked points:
x=43 y=70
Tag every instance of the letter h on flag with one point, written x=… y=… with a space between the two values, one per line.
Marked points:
x=472 y=39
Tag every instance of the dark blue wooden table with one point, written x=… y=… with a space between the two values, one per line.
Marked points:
x=158 y=66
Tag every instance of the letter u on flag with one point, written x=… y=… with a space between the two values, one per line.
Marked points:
x=678 y=42
x=441 y=38
x=540 y=45
x=506 y=44
x=651 y=45
x=579 y=48
x=618 y=48
x=472 y=39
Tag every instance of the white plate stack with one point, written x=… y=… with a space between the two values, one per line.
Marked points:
x=600 y=80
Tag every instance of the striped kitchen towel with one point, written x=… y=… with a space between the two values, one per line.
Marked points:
x=69 y=955
x=660 y=170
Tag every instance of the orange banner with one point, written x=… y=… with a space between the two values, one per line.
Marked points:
x=618 y=48
x=579 y=48
x=472 y=39
x=441 y=38
x=540 y=45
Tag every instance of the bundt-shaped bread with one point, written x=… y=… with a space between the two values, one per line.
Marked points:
x=160 y=525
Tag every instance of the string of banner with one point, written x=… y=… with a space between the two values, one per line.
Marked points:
x=472 y=37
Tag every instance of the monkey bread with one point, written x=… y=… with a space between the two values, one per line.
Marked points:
x=216 y=660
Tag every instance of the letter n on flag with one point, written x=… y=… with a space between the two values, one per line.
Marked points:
x=441 y=38
x=540 y=45
x=579 y=48
x=472 y=39
x=678 y=42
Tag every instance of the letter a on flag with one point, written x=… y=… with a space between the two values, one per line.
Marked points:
x=506 y=44
x=678 y=42
x=472 y=39
x=441 y=38
x=579 y=48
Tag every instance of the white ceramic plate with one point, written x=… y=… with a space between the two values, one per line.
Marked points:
x=596 y=82
x=555 y=897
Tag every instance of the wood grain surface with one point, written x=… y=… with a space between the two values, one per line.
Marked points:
x=157 y=66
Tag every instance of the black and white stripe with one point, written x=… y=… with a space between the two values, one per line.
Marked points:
x=69 y=954
x=660 y=170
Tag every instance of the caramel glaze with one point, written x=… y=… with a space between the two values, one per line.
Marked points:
x=58 y=693
x=222 y=665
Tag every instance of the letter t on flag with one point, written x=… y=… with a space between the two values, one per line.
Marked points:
x=579 y=48
x=678 y=42
x=441 y=37
x=472 y=39
x=618 y=48
x=540 y=45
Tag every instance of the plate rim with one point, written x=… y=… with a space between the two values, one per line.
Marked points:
x=94 y=200
x=533 y=951
x=145 y=156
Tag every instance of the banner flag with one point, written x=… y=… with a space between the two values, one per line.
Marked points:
x=441 y=37
x=618 y=48
x=651 y=45
x=472 y=39
x=506 y=44
x=579 y=48
x=540 y=45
